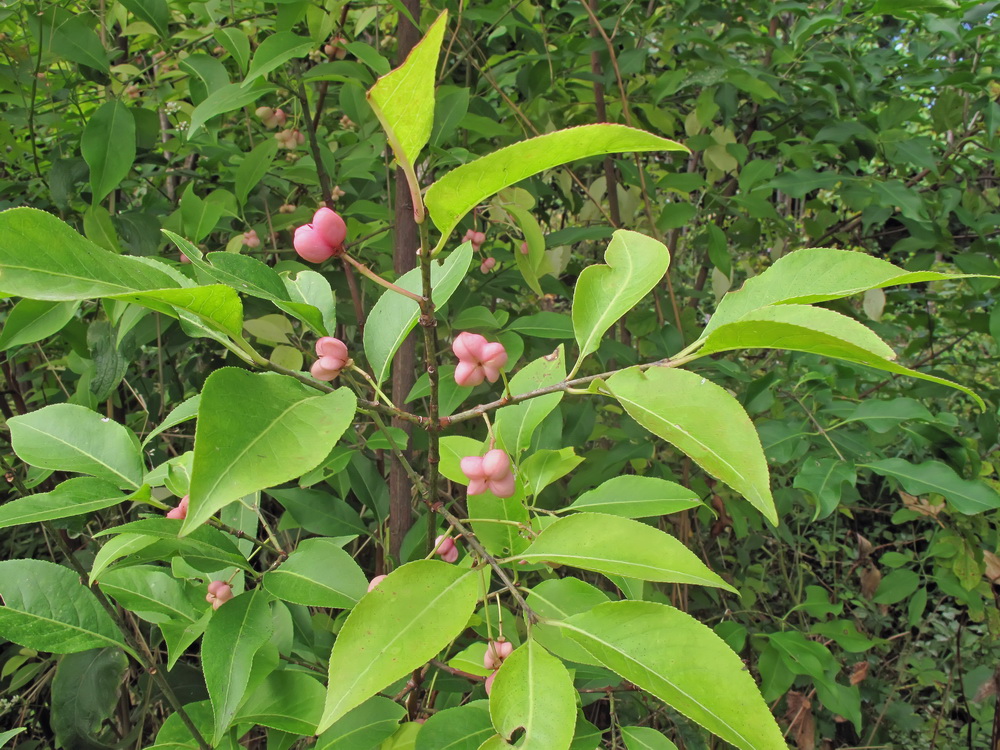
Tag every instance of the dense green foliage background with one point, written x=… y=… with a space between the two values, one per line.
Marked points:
x=869 y=615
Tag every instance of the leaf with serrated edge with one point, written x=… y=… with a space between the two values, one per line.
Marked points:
x=681 y=662
x=704 y=421
x=400 y=625
x=620 y=546
x=635 y=264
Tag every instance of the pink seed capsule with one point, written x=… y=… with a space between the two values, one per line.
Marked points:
x=375 y=582
x=487 y=265
x=489 y=682
x=219 y=592
x=181 y=511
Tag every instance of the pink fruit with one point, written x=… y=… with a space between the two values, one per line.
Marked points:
x=250 y=239
x=323 y=238
x=181 y=511
x=333 y=358
x=489 y=682
x=491 y=472
x=478 y=238
x=496 y=652
x=219 y=592
x=375 y=582
x=445 y=548
x=524 y=248
x=478 y=359
x=487 y=265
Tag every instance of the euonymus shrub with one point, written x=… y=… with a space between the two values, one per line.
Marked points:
x=486 y=636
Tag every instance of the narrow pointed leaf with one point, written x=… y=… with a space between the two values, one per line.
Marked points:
x=234 y=635
x=645 y=738
x=816 y=330
x=967 y=496
x=256 y=431
x=463 y=188
x=399 y=626
x=108 y=147
x=47 y=608
x=533 y=691
x=636 y=497
x=604 y=293
x=394 y=316
x=702 y=420
x=620 y=546
x=684 y=664
x=812 y=275
x=274 y=52
x=74 y=497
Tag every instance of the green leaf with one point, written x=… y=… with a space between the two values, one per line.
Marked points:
x=287 y=701
x=544 y=467
x=543 y=325
x=883 y=415
x=154 y=12
x=74 y=497
x=48 y=609
x=152 y=593
x=403 y=101
x=533 y=692
x=813 y=275
x=67 y=36
x=620 y=546
x=44 y=259
x=84 y=695
x=33 y=320
x=465 y=187
x=108 y=147
x=394 y=316
x=253 y=168
x=365 y=726
x=10 y=734
x=318 y=574
x=237 y=44
x=824 y=479
x=274 y=52
x=185 y=410
x=499 y=539
x=813 y=329
x=559 y=599
x=637 y=497
x=256 y=431
x=226 y=99
x=206 y=549
x=463 y=727
x=72 y=438
x=233 y=636
x=967 y=496
x=516 y=425
x=604 y=293
x=404 y=622
x=645 y=738
x=703 y=421
x=687 y=668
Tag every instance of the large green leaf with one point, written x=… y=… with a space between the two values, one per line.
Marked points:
x=258 y=430
x=516 y=425
x=154 y=12
x=620 y=546
x=681 y=662
x=274 y=52
x=967 y=496
x=47 y=608
x=559 y=599
x=365 y=726
x=84 y=694
x=816 y=330
x=463 y=188
x=645 y=738
x=636 y=497
x=463 y=727
x=534 y=692
x=405 y=621
x=33 y=320
x=153 y=594
x=233 y=636
x=67 y=36
x=318 y=574
x=225 y=99
x=108 y=147
x=702 y=420
x=42 y=258
x=394 y=316
x=603 y=293
x=812 y=275
x=67 y=437
x=74 y=497
x=287 y=701
x=403 y=100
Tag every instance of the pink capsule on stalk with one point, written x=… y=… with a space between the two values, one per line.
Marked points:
x=444 y=547
x=487 y=265
x=219 y=592
x=375 y=582
x=181 y=511
x=490 y=472
x=333 y=358
x=478 y=359
x=323 y=238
